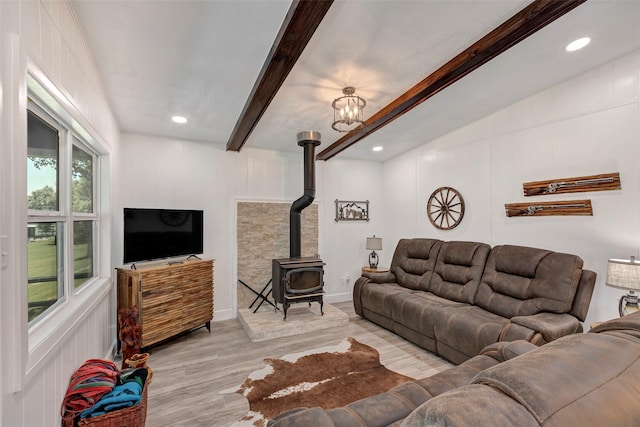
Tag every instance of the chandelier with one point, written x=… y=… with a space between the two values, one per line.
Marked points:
x=347 y=110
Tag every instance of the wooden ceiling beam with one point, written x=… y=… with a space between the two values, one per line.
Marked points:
x=301 y=22
x=532 y=18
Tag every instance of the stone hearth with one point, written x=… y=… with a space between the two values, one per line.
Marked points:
x=267 y=324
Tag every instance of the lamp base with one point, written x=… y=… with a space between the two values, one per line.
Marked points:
x=373 y=259
x=628 y=304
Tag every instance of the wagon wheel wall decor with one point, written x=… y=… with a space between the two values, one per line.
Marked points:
x=445 y=208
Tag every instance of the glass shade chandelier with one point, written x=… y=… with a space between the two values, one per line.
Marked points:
x=348 y=110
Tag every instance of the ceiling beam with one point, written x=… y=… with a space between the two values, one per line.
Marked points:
x=532 y=18
x=301 y=22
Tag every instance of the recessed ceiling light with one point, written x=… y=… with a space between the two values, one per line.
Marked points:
x=179 y=119
x=578 y=44
x=377 y=148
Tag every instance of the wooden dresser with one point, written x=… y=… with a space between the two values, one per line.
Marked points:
x=171 y=298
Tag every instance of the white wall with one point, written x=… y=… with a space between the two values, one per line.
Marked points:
x=44 y=38
x=588 y=125
x=167 y=173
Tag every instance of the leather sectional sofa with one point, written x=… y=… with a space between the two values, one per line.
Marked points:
x=578 y=380
x=455 y=298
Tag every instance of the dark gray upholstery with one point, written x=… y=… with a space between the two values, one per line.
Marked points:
x=462 y=333
x=578 y=380
x=414 y=261
x=387 y=409
x=521 y=281
x=454 y=298
x=583 y=295
x=458 y=270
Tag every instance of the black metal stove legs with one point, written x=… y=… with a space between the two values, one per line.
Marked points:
x=290 y=299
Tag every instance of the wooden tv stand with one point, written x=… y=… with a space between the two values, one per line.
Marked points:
x=171 y=299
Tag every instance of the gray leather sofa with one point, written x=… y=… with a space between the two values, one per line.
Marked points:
x=578 y=380
x=455 y=298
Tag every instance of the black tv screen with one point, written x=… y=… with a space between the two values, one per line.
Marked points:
x=151 y=234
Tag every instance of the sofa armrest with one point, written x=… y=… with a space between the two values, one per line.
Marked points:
x=302 y=416
x=381 y=409
x=364 y=280
x=583 y=295
x=550 y=325
x=505 y=350
x=382 y=277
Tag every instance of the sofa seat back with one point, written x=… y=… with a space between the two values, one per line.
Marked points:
x=523 y=281
x=414 y=261
x=579 y=380
x=458 y=270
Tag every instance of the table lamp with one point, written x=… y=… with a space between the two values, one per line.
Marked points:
x=625 y=274
x=373 y=244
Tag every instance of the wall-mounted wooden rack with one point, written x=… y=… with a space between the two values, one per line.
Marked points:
x=568 y=207
x=602 y=182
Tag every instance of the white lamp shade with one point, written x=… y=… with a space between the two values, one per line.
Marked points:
x=374 y=244
x=623 y=273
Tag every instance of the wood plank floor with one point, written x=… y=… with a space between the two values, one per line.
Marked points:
x=190 y=372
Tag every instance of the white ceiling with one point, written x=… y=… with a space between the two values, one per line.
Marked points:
x=201 y=58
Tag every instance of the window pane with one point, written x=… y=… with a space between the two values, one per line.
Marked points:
x=42 y=164
x=82 y=252
x=45 y=265
x=82 y=173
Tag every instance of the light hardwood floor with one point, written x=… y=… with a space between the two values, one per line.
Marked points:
x=190 y=372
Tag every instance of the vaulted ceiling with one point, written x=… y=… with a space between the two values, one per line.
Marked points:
x=205 y=60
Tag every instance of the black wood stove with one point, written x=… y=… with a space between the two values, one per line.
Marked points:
x=300 y=279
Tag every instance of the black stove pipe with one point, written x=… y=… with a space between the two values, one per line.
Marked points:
x=308 y=140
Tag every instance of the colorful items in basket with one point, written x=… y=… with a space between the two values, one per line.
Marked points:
x=124 y=395
x=98 y=388
x=95 y=378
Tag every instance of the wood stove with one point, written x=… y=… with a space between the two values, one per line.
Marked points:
x=300 y=279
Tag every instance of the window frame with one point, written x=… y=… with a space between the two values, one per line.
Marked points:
x=93 y=216
x=70 y=135
x=29 y=349
x=52 y=216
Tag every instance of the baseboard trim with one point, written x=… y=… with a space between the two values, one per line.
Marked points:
x=219 y=315
x=341 y=297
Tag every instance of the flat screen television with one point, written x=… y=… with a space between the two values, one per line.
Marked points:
x=151 y=234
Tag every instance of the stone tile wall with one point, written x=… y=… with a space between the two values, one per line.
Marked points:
x=263 y=234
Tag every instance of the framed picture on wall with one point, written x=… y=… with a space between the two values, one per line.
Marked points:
x=352 y=210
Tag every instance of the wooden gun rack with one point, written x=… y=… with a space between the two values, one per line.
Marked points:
x=602 y=182
x=569 y=207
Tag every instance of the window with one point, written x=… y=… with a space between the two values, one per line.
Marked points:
x=61 y=202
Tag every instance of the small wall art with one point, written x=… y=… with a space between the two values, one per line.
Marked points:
x=351 y=210
x=602 y=182
x=564 y=207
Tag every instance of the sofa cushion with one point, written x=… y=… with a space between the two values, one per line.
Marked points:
x=378 y=297
x=473 y=405
x=390 y=408
x=521 y=281
x=458 y=270
x=414 y=313
x=413 y=262
x=581 y=379
x=623 y=326
x=463 y=332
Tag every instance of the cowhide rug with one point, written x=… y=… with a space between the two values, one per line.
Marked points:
x=327 y=377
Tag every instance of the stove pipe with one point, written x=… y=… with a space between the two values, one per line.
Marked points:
x=308 y=140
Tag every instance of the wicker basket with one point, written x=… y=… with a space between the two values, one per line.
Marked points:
x=140 y=361
x=134 y=416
